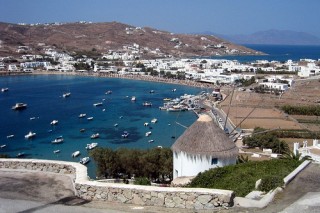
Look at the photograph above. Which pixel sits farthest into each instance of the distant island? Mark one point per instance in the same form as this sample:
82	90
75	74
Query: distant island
274	37
90	38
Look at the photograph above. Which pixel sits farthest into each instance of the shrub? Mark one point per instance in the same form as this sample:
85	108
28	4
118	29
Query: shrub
270	182
142	181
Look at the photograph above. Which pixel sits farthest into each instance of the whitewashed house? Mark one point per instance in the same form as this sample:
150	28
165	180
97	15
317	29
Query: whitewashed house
201	147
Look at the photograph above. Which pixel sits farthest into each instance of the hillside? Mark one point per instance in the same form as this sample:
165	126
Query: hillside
102	37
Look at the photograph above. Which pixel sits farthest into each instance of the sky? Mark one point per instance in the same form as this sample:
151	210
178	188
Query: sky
179	16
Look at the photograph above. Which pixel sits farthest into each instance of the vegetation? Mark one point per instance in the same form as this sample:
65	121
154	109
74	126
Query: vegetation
301	110
154	164
4	156
82	66
296	134
267	140
271	172
260	71
246	83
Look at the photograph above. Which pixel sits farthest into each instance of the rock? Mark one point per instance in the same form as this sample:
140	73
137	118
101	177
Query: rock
204	199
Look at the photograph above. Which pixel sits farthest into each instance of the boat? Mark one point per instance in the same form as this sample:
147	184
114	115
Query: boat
146	124
97	104
150	141
115	125
67	94
32	118
20	154
147	103
4	89
91	146
56	151
58	140
82	130
84	160
173	90
94	136
148	133
75	154
167	99
30	135
54	122
10	136
19	106
151	91
108	92
3	146
82	115
154	120
133	98
90	118
125	134
103	110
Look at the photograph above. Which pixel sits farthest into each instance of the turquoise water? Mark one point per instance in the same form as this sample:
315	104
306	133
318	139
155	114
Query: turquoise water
43	94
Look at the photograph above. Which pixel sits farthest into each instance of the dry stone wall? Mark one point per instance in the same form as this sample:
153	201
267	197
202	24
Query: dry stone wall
190	198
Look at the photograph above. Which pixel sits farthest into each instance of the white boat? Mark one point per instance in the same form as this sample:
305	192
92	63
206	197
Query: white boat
94	136
151	91
148	133
147	103
20	154
90	118
84	160
173	90
115	125
150	141
154	120
91	146
125	134
30	135
56	151
54	122
97	104
4	89
19	106
82	115
3	146
146	124
133	98
75	154
67	94
32	118
108	92
82	130
10	136
58	140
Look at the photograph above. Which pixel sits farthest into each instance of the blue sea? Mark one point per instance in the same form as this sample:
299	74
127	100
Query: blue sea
43	95
278	53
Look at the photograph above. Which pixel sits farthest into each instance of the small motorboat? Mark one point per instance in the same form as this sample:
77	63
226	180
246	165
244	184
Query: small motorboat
75	154
54	122
58	140
147	103
133	98
154	120
84	160
97	104
4	89
90	118
30	135
115	125
108	92
125	134
10	136
151	91
56	151
82	115
19	106
173	90
91	146
94	136
82	130
3	146
146	124
20	154
150	141
67	94
148	133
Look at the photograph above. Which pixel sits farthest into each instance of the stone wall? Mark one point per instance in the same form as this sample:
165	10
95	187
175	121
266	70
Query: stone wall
190	198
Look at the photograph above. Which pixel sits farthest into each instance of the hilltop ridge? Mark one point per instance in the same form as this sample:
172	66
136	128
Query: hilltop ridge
103	37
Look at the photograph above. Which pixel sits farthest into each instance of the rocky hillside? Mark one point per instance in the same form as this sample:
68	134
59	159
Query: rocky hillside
102	37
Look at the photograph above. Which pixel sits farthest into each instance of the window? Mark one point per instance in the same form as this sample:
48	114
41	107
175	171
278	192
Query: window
214	161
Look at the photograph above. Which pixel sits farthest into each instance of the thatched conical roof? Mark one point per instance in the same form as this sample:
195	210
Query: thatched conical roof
204	137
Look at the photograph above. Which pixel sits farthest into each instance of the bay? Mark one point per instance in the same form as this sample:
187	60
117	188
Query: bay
43	94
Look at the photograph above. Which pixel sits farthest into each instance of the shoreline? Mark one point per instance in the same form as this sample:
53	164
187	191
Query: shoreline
120	76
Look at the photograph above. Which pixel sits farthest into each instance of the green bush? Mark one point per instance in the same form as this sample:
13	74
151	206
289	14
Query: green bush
142	181
270	182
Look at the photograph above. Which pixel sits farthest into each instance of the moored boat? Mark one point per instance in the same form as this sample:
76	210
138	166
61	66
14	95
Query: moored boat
82	115
58	140
4	89
150	141
84	160
94	136
56	151
54	122
19	106
30	135
154	120
10	136
148	133
20	154
3	146
67	94
97	104
91	146
147	103
108	92
90	118
133	98
75	154
125	134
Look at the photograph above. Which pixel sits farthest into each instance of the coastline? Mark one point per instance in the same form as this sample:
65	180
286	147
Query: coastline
111	75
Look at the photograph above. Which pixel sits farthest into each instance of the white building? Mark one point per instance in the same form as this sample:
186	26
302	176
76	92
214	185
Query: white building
201	147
